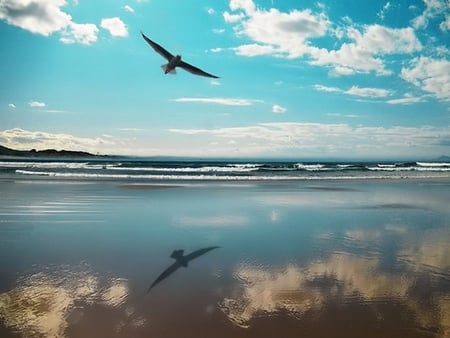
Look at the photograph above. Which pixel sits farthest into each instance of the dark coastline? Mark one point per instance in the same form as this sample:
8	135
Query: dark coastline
47	153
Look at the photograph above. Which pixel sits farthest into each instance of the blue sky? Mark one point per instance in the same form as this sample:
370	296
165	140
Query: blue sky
298	79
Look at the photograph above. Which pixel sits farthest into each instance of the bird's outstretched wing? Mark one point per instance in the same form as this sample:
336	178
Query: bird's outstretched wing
160	50
199	252
194	70
166	273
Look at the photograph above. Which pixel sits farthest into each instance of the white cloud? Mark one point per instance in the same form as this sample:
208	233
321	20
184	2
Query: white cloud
290	34
247	5
314	139
430	75
218	100
216	50
12	105
24	139
40	17
210	11
128	8
255	50
341	71
82	33
355	91
445	25
115	26
433	9
36	104
277	109
282	33
231	18
363	54
327	89
218	30
367	92
382	13
46	18
407	99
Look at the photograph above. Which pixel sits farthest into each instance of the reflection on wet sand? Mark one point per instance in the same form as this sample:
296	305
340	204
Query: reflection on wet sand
431	252
268	292
46	303
343	278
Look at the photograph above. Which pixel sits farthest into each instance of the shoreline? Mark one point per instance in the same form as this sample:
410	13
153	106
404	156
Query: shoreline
127	181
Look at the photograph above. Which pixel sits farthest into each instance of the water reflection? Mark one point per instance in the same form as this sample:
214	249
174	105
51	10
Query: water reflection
265	291
44	304
418	280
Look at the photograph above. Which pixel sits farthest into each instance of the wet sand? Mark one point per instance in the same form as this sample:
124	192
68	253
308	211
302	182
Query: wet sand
335	259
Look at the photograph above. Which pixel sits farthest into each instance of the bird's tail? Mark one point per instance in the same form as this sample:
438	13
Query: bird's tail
164	67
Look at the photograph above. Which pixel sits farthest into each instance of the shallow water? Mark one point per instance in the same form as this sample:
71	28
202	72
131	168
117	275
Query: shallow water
329	258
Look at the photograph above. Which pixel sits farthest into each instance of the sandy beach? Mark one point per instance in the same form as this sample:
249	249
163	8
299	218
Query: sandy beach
319	259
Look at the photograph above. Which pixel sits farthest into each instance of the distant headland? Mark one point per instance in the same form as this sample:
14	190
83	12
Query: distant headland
8	152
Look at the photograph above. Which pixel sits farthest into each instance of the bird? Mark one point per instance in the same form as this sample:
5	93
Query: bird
175	61
181	260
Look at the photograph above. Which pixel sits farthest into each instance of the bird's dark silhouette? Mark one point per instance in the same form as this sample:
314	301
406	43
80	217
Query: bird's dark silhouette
181	260
175	61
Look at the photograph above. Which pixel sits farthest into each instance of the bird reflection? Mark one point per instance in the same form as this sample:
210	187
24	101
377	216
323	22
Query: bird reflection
181	260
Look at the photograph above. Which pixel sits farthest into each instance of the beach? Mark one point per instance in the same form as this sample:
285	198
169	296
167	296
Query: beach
297	257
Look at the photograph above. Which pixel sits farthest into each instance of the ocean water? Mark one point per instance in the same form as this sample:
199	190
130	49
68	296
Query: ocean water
152	170
305	249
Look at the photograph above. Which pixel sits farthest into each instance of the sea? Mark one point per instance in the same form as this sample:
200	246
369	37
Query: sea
134	247
141	169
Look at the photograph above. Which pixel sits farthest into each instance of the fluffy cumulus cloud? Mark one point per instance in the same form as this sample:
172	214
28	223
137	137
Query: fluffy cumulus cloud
79	33
363	53
290	34
434	9
46	18
115	26
431	75
40	17
24	139
275	32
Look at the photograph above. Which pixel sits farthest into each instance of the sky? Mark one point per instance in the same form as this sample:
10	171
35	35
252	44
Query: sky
298	79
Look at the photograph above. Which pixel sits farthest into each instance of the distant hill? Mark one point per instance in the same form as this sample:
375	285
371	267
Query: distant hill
4	151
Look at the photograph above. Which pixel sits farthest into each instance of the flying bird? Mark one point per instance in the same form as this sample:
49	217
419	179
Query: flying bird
175	61
181	260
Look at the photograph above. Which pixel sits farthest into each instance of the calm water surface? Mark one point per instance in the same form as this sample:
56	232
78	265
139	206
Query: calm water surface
311	259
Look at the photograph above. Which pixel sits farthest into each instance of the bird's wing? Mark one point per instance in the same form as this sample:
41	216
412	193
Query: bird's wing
166	273
160	50
194	70
199	252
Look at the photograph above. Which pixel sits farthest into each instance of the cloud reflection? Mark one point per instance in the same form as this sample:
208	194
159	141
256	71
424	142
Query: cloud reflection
342	278
265	291
41	304
212	221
